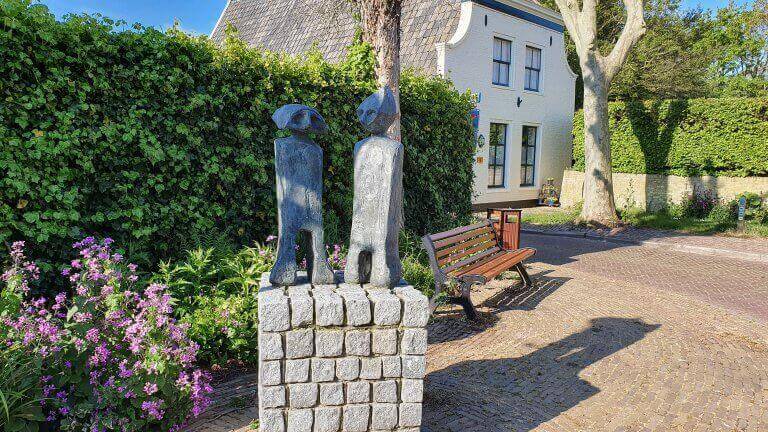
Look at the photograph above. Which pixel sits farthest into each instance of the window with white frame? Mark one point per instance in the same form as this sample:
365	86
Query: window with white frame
532	68
528	156
502	57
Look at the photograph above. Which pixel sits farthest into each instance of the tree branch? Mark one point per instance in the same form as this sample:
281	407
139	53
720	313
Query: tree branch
569	9
633	30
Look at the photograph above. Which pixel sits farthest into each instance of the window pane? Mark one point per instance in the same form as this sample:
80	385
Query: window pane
537	58
528	57
506	52
529	176
531	155
504	74
522	175
495	72
534	80
497	49
499	156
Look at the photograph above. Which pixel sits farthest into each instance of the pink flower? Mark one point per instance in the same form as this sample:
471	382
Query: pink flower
150	388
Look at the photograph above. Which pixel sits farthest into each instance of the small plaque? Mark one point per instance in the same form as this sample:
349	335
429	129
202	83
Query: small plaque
480	159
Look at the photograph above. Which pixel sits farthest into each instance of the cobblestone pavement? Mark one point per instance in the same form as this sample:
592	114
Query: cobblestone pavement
741	286
612	338
755	249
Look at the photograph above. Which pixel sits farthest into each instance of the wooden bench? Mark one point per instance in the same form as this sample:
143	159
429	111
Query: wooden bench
469	255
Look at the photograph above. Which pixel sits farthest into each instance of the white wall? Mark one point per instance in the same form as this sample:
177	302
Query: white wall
467	59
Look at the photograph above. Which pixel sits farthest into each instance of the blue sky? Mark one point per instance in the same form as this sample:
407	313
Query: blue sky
198	16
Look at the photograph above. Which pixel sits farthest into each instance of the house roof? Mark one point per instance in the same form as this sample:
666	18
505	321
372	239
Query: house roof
295	26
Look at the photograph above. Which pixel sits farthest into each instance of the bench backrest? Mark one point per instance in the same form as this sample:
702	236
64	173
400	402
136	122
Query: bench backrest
451	250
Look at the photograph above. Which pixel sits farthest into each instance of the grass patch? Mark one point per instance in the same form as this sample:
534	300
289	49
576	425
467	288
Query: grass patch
561	216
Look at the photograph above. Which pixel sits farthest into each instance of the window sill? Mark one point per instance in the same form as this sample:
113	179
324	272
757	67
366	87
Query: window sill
501	87
531	92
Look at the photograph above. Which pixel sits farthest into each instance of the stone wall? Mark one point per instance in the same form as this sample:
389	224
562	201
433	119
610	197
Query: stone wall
341	357
654	191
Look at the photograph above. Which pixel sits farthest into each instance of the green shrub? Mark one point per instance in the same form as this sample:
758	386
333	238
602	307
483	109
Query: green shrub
756	208
727	137
214	293
162	140
722	214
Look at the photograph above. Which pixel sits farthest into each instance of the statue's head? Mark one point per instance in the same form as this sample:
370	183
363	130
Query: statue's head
299	119
378	111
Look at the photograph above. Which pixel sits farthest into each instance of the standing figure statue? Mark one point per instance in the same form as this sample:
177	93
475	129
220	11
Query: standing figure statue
378	202
299	173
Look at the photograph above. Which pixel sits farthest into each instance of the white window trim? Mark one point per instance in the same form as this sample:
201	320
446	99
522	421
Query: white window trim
542	72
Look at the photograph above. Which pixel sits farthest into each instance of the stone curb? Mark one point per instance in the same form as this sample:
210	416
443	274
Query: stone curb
699	250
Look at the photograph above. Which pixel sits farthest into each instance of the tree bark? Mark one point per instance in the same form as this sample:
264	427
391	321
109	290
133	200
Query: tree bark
598	71
599	204
381	29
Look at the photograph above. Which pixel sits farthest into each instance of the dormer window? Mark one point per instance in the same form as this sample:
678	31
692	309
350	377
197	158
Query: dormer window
502	57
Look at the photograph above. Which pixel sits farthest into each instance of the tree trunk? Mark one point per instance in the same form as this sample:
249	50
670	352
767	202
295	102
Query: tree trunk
599	206
381	29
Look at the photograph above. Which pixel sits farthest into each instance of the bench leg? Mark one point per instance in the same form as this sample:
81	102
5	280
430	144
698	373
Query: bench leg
466	303
524	275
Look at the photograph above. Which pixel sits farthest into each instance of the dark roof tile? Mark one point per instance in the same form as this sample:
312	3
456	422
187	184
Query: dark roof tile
295	26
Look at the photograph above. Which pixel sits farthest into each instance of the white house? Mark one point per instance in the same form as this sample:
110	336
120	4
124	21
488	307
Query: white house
510	53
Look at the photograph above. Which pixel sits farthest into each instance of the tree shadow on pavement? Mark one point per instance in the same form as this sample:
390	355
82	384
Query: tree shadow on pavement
519	394
560	250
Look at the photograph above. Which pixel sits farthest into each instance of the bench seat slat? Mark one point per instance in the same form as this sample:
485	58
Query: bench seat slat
472	265
508	264
471	260
499	260
456	231
458	247
461	237
488	244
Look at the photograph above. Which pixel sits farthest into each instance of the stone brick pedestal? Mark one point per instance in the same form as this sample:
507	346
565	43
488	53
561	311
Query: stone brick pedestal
341	358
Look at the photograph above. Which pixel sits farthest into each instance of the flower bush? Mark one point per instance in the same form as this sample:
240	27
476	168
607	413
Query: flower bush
112	357
697	205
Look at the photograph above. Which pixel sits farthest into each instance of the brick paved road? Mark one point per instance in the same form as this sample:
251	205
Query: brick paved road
738	285
613	338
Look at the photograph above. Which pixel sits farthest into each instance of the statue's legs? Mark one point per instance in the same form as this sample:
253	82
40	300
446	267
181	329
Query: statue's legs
284	271
352	269
385	272
358	269
321	273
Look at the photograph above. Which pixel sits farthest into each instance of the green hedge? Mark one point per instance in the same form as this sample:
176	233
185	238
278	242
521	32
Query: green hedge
727	137
163	141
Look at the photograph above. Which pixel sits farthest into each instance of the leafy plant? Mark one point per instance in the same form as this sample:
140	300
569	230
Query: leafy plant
160	139
215	295
20	391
